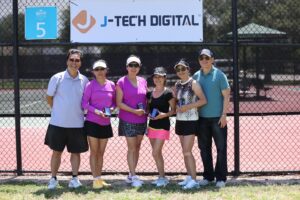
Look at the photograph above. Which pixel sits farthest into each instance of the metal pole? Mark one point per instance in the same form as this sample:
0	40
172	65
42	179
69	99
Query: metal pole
236	89
257	72
17	88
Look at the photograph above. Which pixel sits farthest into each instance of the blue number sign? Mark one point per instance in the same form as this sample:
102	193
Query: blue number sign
40	23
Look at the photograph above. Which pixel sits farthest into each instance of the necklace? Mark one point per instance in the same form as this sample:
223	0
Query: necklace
160	89
158	93
182	83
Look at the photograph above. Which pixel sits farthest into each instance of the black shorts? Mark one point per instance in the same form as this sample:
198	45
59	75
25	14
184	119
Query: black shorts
186	127
97	131
74	138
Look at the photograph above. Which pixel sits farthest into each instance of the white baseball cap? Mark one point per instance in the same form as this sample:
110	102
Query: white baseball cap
133	59
99	63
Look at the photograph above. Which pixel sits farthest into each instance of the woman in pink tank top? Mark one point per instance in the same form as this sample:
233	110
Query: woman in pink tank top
131	100
98	99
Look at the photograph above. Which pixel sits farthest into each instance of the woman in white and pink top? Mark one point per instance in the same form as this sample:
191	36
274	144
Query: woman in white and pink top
131	99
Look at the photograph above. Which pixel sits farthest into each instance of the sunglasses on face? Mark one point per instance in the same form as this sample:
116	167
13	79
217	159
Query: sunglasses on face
204	58
74	60
135	65
158	76
99	69
180	69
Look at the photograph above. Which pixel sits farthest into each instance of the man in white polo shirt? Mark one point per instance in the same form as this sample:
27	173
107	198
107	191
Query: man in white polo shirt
64	94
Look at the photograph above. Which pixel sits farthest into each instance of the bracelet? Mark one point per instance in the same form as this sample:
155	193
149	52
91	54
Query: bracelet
97	111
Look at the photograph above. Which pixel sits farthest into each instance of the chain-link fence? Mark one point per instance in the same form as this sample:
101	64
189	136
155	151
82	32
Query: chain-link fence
263	134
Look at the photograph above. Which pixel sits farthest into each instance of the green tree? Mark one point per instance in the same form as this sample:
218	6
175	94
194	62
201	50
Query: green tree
6	27
276	14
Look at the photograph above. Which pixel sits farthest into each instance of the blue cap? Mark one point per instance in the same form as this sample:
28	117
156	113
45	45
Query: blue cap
206	52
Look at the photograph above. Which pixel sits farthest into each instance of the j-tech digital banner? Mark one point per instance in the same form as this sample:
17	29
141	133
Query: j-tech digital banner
121	21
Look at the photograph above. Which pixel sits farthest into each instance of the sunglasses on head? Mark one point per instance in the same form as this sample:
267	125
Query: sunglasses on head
74	60
180	69
71	51
99	69
134	65
74	51
204	58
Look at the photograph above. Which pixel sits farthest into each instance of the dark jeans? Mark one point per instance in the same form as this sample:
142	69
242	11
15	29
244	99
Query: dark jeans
210	129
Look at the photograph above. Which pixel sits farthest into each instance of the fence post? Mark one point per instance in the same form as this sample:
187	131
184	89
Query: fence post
17	87
236	89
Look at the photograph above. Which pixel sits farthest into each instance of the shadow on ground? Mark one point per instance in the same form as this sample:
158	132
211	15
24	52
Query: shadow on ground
119	185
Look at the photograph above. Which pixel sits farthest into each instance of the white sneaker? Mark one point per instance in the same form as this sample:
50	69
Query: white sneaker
155	181
220	184
162	182
74	183
136	182
186	180
52	184
128	179
191	185
204	182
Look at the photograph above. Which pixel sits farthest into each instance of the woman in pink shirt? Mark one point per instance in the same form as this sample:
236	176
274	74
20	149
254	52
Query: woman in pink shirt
131	99
98	99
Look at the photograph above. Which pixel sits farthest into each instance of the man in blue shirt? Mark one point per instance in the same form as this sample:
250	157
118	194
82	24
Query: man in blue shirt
212	118
64	94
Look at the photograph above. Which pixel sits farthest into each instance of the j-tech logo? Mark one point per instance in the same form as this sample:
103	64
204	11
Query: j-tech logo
82	22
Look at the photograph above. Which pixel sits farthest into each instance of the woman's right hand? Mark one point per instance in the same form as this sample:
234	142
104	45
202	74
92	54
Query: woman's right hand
100	113
182	109
139	112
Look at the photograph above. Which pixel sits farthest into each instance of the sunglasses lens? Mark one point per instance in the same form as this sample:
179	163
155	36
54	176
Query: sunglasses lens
99	69
134	65
204	58
180	69
74	60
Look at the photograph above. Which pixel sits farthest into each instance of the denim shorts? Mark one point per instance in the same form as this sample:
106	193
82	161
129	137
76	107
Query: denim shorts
131	129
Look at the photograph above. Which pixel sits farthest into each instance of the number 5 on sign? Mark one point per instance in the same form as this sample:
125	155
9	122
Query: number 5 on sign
40	23
42	30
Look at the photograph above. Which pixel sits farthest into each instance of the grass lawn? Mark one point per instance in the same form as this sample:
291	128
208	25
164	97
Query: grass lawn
29	189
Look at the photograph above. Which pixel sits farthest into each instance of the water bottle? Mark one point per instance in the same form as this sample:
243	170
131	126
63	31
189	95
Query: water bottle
107	112
140	106
181	102
154	113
